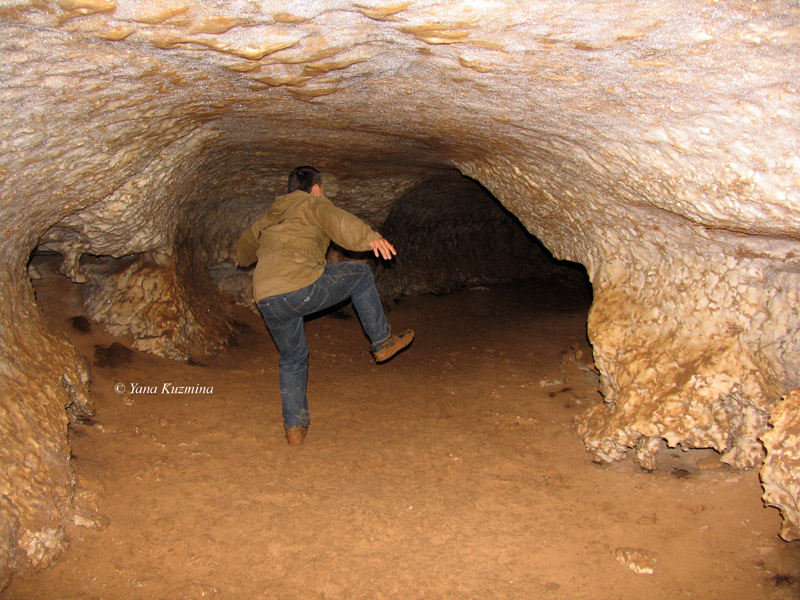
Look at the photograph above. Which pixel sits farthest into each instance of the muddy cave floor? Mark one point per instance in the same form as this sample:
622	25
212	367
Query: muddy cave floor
453	471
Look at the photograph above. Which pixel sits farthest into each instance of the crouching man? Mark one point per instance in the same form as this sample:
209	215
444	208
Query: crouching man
292	280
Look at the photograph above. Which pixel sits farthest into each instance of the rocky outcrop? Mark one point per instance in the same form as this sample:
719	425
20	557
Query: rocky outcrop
45	384
781	472
690	365
167	311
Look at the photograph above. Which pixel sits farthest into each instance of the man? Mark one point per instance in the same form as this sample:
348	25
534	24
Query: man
292	280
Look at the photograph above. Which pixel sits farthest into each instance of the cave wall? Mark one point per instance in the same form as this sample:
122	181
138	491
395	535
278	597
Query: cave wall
656	146
44	383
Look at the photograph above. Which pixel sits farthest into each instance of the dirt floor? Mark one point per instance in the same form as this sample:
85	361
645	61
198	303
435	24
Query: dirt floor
453	471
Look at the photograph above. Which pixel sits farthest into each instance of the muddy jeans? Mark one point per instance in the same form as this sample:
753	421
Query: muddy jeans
284	314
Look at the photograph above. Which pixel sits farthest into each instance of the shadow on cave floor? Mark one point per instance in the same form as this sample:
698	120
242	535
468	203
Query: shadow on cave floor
453	471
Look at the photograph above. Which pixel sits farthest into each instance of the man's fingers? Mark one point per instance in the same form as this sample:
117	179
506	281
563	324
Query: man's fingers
381	247
389	249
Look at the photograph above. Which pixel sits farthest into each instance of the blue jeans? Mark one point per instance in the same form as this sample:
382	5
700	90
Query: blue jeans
284	314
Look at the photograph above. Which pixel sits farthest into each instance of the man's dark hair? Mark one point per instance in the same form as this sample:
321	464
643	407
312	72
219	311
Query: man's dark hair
304	178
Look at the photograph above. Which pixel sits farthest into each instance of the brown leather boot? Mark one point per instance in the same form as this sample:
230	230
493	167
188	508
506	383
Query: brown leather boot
296	435
392	345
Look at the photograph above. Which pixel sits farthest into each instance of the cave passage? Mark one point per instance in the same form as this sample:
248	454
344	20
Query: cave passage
452	470
449	231
440	472
654	150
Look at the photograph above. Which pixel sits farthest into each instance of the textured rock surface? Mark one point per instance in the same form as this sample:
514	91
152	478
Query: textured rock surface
637	560
695	361
781	473
44	384
167	311
656	146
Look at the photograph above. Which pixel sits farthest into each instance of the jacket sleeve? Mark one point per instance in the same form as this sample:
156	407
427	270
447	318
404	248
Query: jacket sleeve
342	227
246	248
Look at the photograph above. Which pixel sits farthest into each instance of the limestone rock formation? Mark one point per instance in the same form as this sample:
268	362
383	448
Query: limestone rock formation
167	311
781	472
655	145
45	384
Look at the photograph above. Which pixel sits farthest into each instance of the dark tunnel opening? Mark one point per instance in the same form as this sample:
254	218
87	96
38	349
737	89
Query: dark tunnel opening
452	233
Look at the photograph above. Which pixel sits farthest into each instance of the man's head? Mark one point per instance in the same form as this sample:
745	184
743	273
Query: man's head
305	178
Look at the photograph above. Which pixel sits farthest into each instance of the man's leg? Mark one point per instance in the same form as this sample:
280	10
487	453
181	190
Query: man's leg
283	315
351	280
290	339
354	280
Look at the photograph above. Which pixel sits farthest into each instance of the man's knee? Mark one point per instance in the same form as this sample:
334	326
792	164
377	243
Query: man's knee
294	357
363	269
350	267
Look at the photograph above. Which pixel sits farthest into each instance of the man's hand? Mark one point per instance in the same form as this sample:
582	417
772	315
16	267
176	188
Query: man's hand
381	247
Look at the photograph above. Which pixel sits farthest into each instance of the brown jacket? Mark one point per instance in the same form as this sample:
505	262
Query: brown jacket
291	240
